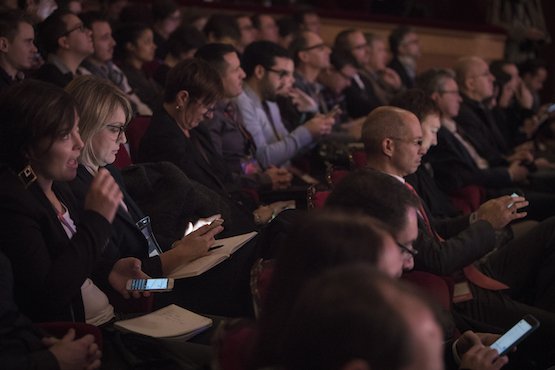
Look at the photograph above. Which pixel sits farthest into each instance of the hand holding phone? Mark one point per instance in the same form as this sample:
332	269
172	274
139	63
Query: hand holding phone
150	285
516	334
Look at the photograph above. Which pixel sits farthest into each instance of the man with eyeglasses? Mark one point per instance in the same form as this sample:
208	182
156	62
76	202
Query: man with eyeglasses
360	96
100	62
494	281
269	72
67	42
405	47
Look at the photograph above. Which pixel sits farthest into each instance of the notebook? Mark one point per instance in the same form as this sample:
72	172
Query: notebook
216	256
171	322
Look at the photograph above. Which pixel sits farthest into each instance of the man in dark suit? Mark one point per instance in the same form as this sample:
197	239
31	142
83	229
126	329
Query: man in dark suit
502	285
405	47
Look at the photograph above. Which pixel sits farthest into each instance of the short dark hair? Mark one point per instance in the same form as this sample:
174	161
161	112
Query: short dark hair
341	43
222	25
9	22
433	80
127	33
375	194
31	111
501	77
262	53
345	314
51	29
198	78
531	66
287	26
184	39
396	38
340	59
214	55
91	17
161	9
299	16
417	102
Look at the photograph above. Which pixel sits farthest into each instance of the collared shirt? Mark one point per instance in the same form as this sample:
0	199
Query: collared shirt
274	144
6	80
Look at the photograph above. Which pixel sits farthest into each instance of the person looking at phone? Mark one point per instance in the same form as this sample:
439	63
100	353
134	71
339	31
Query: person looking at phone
52	246
227	130
269	72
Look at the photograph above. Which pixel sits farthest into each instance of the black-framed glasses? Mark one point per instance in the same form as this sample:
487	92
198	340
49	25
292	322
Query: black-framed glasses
320	46
282	73
117	130
81	27
405	249
417	142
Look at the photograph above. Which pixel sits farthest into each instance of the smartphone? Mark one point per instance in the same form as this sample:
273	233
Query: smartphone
150	285
515	335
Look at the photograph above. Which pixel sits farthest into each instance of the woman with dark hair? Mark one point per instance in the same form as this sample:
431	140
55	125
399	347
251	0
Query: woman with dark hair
323	241
52	246
134	48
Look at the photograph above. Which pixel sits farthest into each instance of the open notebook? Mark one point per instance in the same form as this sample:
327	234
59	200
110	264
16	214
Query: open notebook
171	322
203	264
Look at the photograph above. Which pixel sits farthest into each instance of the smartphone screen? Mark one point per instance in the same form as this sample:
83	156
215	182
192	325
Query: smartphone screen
149	284
513	336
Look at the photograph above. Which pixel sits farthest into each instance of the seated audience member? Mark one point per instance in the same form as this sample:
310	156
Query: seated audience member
174	135
321	242
355	318
266	27
74	6
53	247
392	138
104	115
385	81
360	95
405	48
17	46
223	28
534	73
247	30
308	20
311	56
417	102
231	139
135	47
182	44
269	72
67	42
166	18
100	62
23	347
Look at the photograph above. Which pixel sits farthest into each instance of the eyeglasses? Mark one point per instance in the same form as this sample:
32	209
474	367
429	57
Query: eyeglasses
405	249
417	142
281	73
117	130
320	47
81	27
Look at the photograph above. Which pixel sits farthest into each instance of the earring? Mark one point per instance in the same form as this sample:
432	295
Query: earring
178	107
27	176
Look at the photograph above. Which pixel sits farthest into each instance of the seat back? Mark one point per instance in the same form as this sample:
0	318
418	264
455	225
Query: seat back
59	329
468	198
134	133
316	198
123	159
261	275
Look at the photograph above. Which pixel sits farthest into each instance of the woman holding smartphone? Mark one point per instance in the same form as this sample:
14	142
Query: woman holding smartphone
105	112
52	246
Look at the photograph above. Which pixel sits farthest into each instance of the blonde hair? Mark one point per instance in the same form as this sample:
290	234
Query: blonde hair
96	99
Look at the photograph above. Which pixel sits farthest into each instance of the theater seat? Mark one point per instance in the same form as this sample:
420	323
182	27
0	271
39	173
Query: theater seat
134	133
123	159
59	329
468	199
316	198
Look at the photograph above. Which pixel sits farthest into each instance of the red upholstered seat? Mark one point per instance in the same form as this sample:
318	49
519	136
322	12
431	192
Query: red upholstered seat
134	133
123	159
59	329
468	199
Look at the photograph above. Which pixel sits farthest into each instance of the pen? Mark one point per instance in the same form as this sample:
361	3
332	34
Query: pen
215	247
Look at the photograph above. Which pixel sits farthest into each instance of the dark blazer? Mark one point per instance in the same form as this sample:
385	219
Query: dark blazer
454	168
20	343
398	67
49	268
50	73
126	239
477	125
360	101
